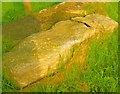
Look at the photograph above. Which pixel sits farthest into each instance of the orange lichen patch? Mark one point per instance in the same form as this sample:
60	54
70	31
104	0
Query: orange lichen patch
76	11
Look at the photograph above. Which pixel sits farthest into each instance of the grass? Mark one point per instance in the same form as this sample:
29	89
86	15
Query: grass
102	63
37	6
112	10
12	11
7	44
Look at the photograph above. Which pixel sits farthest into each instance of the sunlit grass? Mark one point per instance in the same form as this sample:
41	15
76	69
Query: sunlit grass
12	11
37	6
103	62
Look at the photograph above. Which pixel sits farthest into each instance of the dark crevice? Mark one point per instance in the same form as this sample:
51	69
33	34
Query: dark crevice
87	25
83	23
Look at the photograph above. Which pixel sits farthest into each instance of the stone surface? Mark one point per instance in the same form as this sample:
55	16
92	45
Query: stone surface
40	54
63	11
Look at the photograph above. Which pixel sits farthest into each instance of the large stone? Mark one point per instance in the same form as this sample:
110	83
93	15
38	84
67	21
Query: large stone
40	54
45	19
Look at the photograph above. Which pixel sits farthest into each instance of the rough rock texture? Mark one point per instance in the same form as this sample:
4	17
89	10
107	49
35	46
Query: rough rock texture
63	11
40	54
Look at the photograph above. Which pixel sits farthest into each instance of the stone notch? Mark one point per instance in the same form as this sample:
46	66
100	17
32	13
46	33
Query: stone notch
40	54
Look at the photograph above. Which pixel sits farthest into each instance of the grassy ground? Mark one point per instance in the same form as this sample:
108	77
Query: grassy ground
101	72
12	11
103	62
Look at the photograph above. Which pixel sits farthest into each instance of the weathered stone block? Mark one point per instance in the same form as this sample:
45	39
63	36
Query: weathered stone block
40	54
